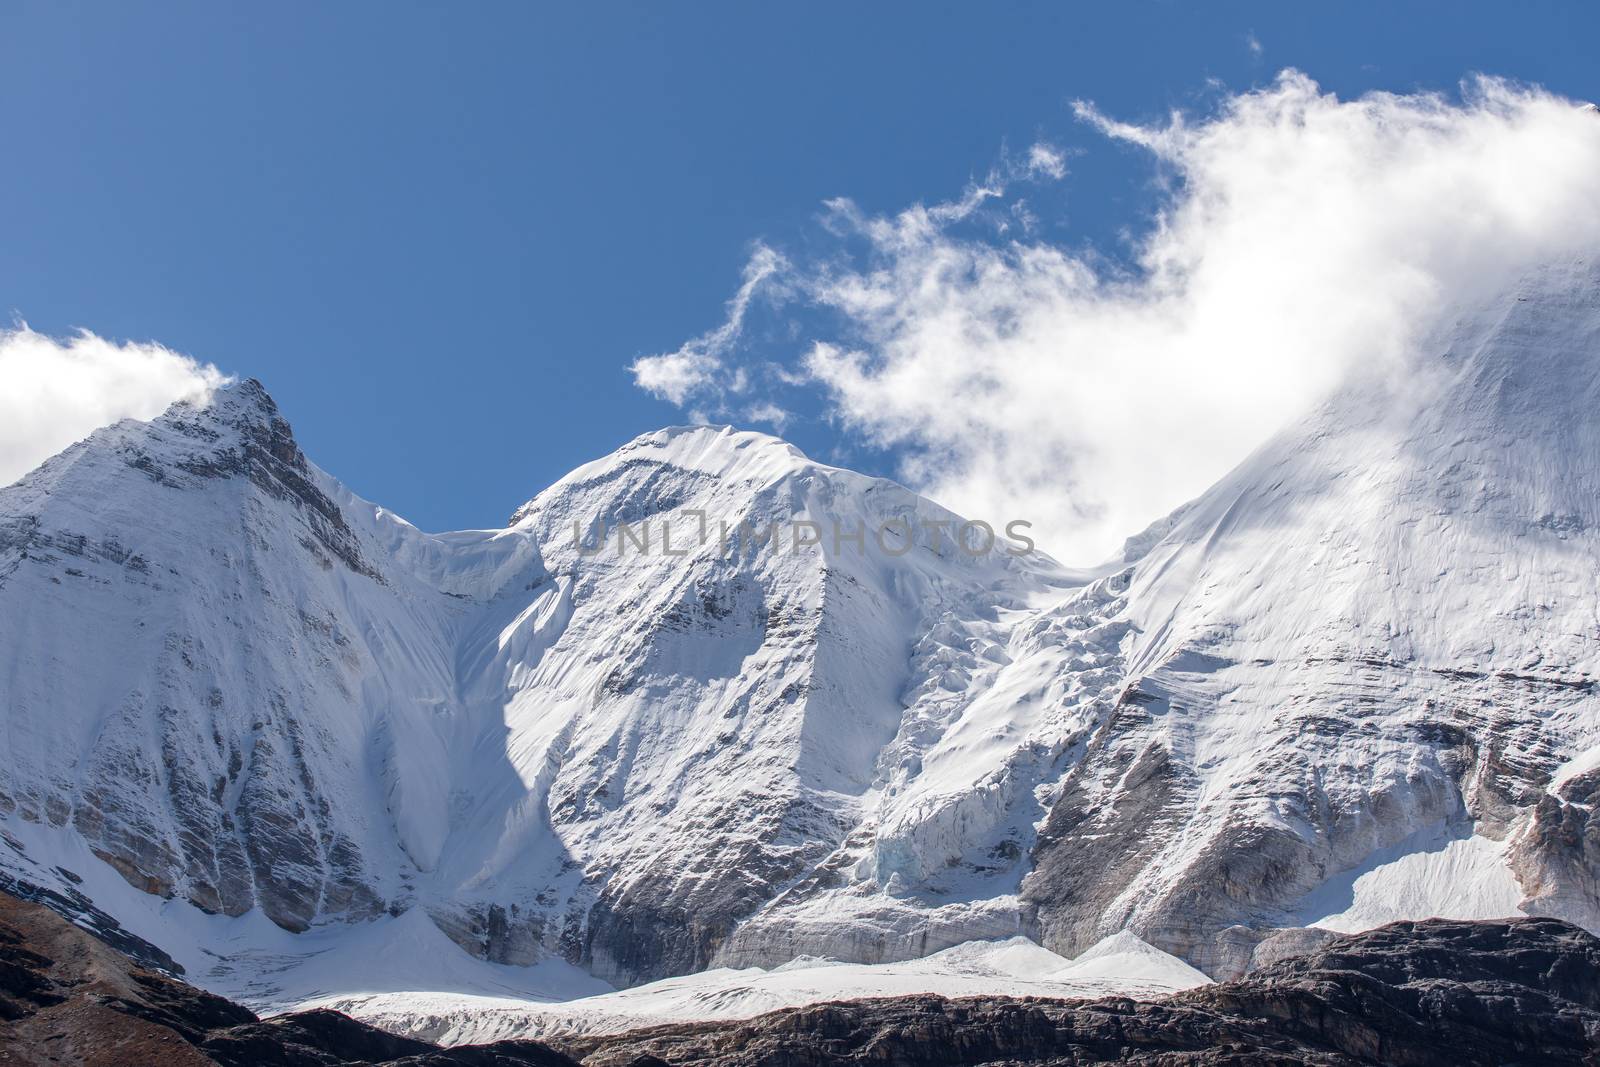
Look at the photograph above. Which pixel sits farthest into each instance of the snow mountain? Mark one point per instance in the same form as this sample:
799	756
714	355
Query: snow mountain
246	688
1353	682
1374	644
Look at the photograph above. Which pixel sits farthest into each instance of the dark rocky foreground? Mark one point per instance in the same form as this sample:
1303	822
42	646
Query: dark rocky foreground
1414	993
68	998
1423	993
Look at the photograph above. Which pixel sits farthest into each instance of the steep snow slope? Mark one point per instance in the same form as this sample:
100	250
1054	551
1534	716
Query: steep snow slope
1383	621
998	708
212	675
692	727
1427	873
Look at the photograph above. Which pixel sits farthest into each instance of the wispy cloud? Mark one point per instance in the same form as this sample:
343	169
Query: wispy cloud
697	367
1297	236
1047	161
769	414
54	392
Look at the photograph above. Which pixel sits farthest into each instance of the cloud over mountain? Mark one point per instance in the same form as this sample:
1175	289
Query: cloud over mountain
1296	236
57	391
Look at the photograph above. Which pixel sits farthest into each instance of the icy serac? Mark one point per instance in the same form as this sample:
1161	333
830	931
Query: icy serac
1354	681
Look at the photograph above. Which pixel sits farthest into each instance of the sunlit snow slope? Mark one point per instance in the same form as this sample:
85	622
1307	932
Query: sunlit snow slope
1384	622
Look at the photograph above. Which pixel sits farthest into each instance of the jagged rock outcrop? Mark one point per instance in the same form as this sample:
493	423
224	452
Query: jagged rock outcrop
1558	856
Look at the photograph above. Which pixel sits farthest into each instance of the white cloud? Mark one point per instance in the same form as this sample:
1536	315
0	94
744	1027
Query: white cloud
769	414
1300	236
697	366
55	392
1253	43
1046	161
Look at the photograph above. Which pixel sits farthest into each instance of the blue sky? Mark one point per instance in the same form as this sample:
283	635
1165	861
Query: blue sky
441	233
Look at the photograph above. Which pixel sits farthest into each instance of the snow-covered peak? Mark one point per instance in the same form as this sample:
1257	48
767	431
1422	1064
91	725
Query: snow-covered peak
1382	621
721	452
1370	523
718	469
236	401
193	441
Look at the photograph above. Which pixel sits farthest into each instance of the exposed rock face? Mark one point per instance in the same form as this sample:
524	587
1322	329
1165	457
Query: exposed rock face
1558	857
67	998
1418	994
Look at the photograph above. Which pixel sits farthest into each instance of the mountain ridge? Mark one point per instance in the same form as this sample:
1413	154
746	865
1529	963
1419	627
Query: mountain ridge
1359	669
342	581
